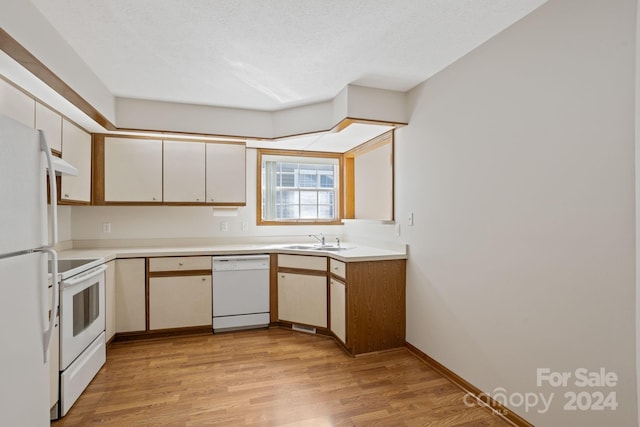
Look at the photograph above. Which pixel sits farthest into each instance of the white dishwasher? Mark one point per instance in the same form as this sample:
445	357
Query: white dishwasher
240	292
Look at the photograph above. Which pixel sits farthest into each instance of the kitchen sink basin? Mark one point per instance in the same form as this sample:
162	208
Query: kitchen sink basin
304	247
330	248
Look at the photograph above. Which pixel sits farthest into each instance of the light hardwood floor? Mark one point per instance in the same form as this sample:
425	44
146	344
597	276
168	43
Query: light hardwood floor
272	377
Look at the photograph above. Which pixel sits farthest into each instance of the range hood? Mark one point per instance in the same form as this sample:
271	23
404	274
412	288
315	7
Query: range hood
62	167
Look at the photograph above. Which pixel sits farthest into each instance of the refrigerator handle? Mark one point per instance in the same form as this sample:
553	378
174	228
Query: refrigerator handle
48	333
53	189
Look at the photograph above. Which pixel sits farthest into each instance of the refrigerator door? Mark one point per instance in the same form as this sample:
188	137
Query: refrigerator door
24	389
23	219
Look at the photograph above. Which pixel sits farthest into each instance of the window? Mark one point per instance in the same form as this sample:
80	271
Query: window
298	188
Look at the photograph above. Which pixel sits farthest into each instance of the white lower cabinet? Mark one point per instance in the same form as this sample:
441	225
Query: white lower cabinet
179	302
338	309
302	299
110	300
130	304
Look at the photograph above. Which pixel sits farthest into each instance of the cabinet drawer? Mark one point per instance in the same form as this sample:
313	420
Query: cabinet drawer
180	263
338	268
304	262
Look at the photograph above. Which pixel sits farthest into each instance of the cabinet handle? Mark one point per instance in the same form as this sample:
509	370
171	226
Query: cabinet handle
180	263
212	199
153	198
204	279
66	195
197	199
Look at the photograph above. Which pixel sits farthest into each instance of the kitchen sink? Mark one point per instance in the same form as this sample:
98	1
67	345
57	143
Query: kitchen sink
304	247
330	248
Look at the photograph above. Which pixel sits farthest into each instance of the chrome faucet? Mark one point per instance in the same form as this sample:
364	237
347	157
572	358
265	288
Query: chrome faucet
319	239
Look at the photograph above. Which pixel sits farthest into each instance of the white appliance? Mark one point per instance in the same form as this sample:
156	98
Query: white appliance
26	319
240	292
82	325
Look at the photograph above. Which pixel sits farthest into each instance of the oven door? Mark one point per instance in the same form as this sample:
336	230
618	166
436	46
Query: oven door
81	313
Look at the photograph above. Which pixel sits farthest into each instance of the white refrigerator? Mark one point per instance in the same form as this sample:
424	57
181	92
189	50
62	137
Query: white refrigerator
26	242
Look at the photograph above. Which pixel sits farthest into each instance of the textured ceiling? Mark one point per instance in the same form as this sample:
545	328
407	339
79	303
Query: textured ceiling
270	55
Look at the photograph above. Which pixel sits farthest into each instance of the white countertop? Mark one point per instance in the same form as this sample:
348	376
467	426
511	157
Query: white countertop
355	253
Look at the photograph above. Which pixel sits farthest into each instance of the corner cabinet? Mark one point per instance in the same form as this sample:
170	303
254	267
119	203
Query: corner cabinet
302	290
132	170
77	150
361	304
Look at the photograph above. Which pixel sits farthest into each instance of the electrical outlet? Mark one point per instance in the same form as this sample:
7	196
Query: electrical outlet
106	227
244	226
397	229
224	226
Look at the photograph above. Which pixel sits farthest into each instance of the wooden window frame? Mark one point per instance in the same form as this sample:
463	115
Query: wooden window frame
297	153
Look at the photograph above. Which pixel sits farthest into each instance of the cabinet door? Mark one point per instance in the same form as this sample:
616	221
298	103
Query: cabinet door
184	171
110	300
226	173
130	295
132	170
338	310
16	104
50	123
302	299
76	149
178	302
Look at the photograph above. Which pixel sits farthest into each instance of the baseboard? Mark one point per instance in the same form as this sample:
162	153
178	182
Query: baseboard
162	333
496	407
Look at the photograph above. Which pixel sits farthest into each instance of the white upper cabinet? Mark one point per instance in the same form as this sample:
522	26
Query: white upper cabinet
16	104
50	123
226	173
76	149
132	170
184	171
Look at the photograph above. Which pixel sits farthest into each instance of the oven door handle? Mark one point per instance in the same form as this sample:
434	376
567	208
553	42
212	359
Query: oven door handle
84	277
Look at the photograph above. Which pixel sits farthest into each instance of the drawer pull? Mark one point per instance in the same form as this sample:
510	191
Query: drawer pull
180	263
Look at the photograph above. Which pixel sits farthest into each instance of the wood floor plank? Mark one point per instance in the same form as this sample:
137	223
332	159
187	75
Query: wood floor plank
269	377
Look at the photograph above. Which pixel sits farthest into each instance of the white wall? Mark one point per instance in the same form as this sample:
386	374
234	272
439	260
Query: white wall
184	222
518	164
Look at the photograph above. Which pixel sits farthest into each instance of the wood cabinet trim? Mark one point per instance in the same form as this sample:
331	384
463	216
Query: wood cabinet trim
302	271
179	273
273	288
